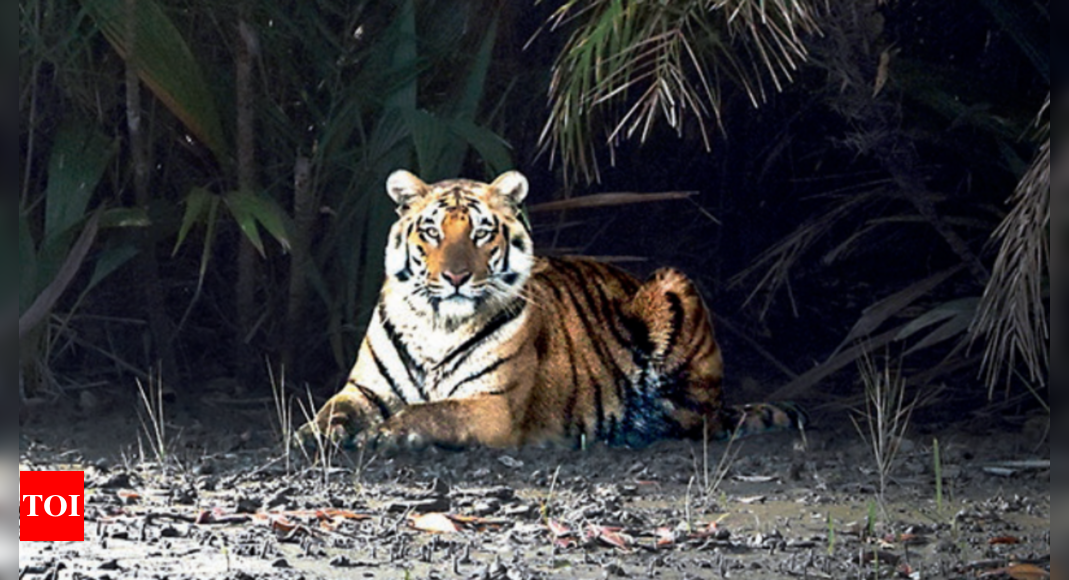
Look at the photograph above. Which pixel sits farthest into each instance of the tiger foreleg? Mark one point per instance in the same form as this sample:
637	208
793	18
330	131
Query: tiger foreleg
452	423
347	414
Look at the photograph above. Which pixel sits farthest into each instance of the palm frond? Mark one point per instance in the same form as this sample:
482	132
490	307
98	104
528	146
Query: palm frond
1013	313
634	64
142	33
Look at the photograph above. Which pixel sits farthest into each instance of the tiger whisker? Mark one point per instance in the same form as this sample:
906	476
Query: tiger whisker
506	292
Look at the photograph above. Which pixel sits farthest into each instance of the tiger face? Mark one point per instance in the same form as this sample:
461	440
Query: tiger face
459	247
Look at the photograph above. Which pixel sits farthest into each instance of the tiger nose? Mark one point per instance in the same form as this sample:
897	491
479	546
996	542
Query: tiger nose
457	279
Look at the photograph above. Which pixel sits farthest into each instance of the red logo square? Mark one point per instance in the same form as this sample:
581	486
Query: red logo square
51	506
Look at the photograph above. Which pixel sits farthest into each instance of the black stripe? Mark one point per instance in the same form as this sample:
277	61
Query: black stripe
406	274
386	374
465	350
415	372
596	303
599	407
636	333
582	309
609	315
675	305
370	395
573	395
408	247
573	399
508	249
482	373
584	304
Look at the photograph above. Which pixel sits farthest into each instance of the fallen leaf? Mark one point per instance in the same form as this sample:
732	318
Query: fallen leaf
477	522
563	536
612	537
912	540
331	514
1026	572
435	523
558	529
331	524
128	497
205	517
665	537
1004	541
754	478
219	517
281	524
566	543
710	531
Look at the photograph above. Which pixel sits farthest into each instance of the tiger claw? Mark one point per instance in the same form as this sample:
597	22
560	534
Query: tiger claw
389	441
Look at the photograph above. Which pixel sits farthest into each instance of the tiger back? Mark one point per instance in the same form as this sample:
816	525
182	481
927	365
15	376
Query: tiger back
476	341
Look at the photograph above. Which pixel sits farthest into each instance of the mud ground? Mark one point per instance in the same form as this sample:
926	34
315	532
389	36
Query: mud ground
226	502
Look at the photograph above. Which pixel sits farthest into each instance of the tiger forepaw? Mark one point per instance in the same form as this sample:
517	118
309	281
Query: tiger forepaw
316	435
392	439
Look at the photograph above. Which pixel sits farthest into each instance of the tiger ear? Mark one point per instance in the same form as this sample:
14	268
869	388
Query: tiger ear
511	185
403	188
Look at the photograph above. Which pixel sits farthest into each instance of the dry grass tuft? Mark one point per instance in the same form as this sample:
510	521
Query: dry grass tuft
884	419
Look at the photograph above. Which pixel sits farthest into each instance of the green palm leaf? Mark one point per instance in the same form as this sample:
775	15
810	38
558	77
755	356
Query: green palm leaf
144	36
634	64
253	211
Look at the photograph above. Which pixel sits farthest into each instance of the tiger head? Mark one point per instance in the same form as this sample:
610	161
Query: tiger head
460	247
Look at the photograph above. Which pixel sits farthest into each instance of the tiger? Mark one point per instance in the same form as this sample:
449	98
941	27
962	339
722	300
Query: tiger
476	341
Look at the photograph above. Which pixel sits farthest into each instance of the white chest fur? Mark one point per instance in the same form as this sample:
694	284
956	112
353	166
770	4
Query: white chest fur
413	359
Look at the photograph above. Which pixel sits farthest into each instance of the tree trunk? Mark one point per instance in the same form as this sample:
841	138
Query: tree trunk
304	215
247	260
146	265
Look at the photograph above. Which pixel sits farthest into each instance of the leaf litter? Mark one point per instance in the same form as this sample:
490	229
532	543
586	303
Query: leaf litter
532	514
